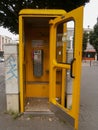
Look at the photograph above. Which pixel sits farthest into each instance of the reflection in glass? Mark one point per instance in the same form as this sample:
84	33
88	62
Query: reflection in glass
64	55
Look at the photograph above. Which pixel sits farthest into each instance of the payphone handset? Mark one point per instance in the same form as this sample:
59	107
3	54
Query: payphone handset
38	63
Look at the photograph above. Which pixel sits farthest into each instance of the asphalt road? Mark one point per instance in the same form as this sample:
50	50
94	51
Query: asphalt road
88	107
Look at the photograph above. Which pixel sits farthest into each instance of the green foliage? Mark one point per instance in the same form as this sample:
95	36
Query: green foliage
85	39
9	9
94	37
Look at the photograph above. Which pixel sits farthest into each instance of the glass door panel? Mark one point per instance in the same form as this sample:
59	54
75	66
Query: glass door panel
64	55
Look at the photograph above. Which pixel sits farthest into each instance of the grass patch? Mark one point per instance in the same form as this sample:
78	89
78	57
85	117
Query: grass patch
14	114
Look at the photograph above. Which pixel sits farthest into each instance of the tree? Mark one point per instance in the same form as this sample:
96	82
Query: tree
85	39
9	9
94	37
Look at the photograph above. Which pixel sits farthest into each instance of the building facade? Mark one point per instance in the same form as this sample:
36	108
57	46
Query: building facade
4	40
89	53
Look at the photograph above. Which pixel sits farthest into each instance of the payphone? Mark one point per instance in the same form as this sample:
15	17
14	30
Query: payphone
37	63
47	75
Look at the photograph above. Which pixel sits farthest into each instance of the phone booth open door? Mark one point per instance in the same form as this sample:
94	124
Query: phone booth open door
50	61
65	63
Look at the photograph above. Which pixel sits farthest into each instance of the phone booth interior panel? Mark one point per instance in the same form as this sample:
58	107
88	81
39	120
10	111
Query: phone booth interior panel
37	61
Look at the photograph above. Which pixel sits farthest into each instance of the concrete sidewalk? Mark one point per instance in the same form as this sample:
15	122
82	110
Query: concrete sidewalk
89	98
9	121
89	63
88	108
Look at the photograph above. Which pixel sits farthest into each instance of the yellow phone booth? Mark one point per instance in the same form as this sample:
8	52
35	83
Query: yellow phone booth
50	61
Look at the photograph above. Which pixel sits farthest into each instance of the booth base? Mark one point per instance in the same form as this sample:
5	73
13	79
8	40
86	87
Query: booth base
37	104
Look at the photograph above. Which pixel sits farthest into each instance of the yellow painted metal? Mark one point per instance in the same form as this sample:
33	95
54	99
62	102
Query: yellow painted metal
27	89
44	12
77	16
60	65
52	76
78	54
31	80
21	60
64	71
38	90
27	33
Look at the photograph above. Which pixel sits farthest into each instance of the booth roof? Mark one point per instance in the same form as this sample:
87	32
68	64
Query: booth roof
69	5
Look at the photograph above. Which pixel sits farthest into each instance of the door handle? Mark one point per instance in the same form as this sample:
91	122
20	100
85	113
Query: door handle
71	69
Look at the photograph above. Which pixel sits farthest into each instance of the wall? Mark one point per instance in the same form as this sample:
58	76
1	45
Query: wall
11	76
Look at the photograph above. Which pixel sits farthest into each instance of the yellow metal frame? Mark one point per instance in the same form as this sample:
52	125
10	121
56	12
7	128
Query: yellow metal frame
62	16
21	60
23	14
77	16
42	12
